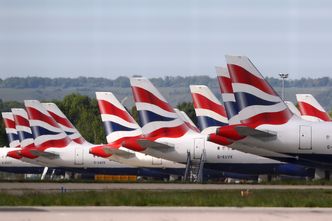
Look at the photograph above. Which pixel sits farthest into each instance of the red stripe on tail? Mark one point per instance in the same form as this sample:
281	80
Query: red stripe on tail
60	120
309	110
241	75
274	118
37	115
9	123
21	121
225	84
205	103
106	107
142	95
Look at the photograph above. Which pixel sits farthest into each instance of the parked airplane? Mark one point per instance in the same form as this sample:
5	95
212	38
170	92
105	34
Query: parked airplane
118	122
52	146
310	109
212	116
8	164
167	136
266	123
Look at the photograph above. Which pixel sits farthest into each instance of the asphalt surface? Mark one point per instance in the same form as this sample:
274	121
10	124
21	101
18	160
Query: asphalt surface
162	213
65	187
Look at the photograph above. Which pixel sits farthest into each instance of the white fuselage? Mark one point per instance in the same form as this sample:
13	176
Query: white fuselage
196	144
144	160
6	161
301	139
75	156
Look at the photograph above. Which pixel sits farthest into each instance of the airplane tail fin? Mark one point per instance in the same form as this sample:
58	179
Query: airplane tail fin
209	111
23	127
157	117
118	123
10	128
258	103
227	95
24	133
46	132
64	123
310	108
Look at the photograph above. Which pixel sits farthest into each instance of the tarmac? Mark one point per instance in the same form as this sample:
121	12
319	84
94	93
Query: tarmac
18	187
162	213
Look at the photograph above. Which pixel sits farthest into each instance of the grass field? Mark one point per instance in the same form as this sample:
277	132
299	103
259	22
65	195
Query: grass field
233	198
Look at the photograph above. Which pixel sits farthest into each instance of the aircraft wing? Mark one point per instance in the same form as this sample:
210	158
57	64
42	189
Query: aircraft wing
119	153
47	155
248	131
161	147
260	151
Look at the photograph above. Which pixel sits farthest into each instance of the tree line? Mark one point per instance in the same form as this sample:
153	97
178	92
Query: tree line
123	82
83	112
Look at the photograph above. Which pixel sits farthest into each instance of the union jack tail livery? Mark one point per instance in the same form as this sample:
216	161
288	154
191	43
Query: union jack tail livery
157	117
258	103
11	131
227	95
46	132
64	123
119	124
24	134
209	111
310	109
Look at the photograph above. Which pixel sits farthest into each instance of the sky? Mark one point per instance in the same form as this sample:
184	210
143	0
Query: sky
111	38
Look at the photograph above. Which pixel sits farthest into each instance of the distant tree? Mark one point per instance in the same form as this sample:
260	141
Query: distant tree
134	113
83	112
188	108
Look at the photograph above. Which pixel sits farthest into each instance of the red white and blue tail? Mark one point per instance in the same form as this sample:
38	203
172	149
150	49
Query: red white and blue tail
119	124
157	117
64	123
46	132
25	134
258	103
10	128
23	127
227	95
209	111
310	109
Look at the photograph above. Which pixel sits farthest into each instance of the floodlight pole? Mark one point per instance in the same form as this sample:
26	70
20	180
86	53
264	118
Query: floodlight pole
283	77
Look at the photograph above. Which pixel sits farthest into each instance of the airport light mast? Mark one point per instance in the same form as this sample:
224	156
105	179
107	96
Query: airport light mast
283	77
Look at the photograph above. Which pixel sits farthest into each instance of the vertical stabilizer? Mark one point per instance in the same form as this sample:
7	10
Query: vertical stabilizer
210	112
10	128
258	103
310	109
46	132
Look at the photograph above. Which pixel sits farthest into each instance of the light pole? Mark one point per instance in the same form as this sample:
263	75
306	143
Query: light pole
283	77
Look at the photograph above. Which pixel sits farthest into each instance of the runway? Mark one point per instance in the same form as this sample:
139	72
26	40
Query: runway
163	213
17	188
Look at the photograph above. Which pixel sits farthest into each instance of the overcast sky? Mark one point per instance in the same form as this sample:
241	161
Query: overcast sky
108	38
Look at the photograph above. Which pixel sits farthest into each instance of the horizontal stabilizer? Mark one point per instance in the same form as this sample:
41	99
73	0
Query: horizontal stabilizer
164	148
47	155
119	153
248	131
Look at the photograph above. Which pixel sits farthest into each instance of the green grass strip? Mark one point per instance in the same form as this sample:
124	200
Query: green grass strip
214	198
